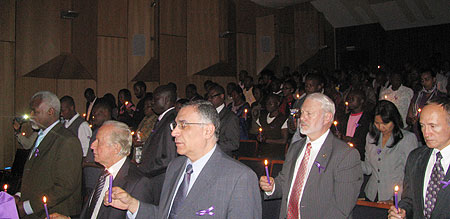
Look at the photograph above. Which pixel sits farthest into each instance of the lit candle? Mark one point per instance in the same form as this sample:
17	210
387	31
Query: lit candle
126	103
396	196
23	133
132	133
5	188
267	170
350	144
298	96
245	113
90	126
385	97
44	199
378	66
418	112
26	116
260	134
335	123
110	188
84	115
346	103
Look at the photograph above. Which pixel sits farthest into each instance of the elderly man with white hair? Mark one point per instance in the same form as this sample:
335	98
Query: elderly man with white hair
321	176
53	167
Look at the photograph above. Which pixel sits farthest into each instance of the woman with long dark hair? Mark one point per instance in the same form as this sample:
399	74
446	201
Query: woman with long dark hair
387	148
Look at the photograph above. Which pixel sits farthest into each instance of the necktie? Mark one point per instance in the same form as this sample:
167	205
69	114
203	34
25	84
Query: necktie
437	174
97	192
36	144
293	208
181	193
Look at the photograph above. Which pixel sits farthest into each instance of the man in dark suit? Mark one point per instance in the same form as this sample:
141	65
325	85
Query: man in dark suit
204	181
111	148
140	90
321	175
426	189
53	167
160	149
229	122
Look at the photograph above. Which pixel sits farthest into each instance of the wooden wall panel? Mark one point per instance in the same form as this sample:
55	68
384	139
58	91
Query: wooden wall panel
7	20
306	30
246	53
202	34
141	23
38	33
286	51
75	89
173	17
173	61
112	18
26	87
112	65
7	149
265	34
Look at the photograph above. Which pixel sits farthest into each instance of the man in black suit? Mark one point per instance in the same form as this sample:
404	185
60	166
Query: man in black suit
229	122
160	149
426	190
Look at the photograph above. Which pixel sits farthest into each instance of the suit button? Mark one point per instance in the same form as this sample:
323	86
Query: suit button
378	170
378	181
379	159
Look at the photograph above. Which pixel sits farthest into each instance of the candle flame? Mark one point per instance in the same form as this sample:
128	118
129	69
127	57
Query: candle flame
126	102
260	129
5	187
378	66
385	96
44	199
266	162
132	133
245	110
298	96
23	133
26	116
396	188
335	123
346	103
84	114
90	126
419	110
350	144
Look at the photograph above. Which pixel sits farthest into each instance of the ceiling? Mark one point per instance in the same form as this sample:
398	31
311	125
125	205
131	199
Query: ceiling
391	14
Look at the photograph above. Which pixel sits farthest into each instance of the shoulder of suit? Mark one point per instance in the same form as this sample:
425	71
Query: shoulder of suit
420	151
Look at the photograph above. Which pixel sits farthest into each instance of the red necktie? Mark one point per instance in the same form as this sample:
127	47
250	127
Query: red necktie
293	209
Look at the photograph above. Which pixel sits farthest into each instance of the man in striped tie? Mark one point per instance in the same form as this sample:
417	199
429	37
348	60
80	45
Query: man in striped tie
321	176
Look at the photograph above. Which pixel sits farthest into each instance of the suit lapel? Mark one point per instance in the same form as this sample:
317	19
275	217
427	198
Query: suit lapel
422	167
172	184
45	145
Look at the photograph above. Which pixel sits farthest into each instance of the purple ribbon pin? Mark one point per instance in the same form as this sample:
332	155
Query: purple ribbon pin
357	125
445	183
36	153
379	151
208	211
319	166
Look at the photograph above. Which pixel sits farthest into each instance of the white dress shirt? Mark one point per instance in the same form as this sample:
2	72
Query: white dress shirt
164	113
445	161
84	133
113	170
220	108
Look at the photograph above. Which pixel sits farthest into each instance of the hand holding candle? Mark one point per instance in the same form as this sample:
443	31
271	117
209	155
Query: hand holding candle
396	196
266	163
44	199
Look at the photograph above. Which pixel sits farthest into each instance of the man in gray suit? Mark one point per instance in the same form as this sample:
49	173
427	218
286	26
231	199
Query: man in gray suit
205	181
321	176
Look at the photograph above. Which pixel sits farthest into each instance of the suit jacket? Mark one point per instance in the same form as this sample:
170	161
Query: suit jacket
359	138
159	149
224	183
54	171
333	192
412	197
131	180
229	131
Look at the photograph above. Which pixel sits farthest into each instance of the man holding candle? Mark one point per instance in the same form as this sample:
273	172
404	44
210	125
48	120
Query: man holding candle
54	165
111	148
321	176
203	182
426	193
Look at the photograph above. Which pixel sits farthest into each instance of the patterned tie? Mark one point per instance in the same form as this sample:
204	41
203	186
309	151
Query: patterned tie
437	174
181	193
97	192
293	208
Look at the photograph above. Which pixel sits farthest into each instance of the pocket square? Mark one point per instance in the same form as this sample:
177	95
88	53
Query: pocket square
208	211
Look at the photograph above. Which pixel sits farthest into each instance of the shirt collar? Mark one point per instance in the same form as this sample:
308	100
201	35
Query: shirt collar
198	165
164	113
47	130
114	169
220	108
70	121
318	142
444	152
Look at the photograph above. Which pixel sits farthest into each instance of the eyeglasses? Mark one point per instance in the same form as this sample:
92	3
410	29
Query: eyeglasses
215	95
182	125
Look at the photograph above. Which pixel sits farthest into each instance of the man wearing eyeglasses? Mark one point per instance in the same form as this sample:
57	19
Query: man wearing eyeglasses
203	182
160	149
229	122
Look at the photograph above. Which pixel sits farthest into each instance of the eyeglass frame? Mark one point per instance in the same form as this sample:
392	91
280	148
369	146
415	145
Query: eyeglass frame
183	124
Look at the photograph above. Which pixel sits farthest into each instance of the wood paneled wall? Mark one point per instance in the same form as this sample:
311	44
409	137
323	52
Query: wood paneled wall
265	41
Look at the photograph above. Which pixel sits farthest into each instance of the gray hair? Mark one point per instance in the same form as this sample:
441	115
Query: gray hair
49	99
207	113
120	135
326	103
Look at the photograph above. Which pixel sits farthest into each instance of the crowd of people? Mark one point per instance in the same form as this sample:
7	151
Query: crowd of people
342	135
